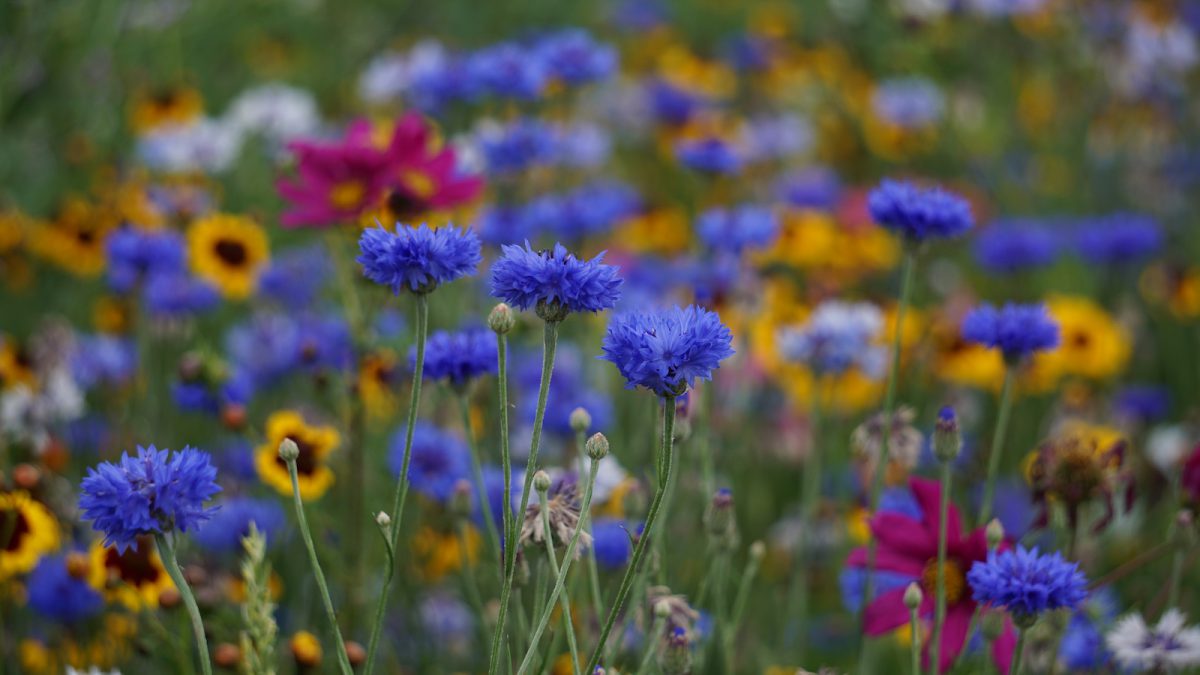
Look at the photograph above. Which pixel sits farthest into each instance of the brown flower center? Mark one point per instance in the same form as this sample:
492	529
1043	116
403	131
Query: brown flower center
956	580
13	528
231	252
134	566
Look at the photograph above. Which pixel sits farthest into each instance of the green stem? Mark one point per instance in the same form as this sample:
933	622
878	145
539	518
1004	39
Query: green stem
1176	578
810	491
470	586
166	551
889	405
477	468
343	660
652	641
549	344
914	625
667	450
593	568
743	594
940	599
398	499
997	449
1015	668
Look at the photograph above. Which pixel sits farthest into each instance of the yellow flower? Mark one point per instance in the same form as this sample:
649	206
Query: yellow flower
685	70
306	649
1177	287
27	532
135	578
376	383
814	241
967	364
662	231
440	553
16	364
315	442
1091	342
74	240
894	142
164	107
229	252
614	506
12	230
112	314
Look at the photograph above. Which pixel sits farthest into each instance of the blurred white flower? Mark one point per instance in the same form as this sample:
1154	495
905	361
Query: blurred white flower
390	76
277	111
1169	646
1167	446
207	146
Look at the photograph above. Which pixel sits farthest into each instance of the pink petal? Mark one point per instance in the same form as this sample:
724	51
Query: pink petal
886	613
904	535
887	560
929	495
1003	647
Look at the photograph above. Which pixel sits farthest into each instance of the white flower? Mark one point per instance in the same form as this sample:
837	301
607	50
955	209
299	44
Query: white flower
836	337
1166	447
207	145
1169	646
277	111
91	671
390	76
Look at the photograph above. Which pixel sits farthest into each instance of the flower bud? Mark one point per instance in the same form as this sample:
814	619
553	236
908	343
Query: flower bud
541	482
994	533
719	519
288	450
501	319
676	656
580	420
596	447
662	609
1185	532
460	498
382	519
355	654
947	439
913	596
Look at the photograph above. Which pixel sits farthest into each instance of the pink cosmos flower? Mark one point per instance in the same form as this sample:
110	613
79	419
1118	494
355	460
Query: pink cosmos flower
909	547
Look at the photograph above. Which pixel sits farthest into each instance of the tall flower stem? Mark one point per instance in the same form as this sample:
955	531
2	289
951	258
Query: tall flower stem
889	406
653	639
914	642
940	598
549	344
666	454
302	521
398	499
1015	668
1176	581
593	568
810	492
997	449
560	576
484	503
166	551
470	585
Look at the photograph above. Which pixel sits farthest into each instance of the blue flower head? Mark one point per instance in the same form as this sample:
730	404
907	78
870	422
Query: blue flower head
157	491
667	351
508	70
1026	582
523	144
918	213
1016	330
709	155
671	105
294	279
178	296
103	359
439	460
417	258
135	256
554	281
816	187
1014	246
574	57
1144	403
231	523
739	228
612	540
56	593
1119	238
458	357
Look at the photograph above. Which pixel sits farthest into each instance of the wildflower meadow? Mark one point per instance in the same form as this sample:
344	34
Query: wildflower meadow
599	337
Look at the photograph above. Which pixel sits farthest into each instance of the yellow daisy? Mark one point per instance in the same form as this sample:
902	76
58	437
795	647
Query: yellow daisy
229	252
166	106
74	240
27	532
1091	342
660	231
16	364
315	442
135	578
440	553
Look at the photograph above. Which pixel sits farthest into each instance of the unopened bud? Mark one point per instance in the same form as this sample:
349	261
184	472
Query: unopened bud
992	625
501	319
720	517
676	657
947	439
227	655
382	519
913	596
580	420
662	609
541	482
1185	532
596	447
995	533
288	450
355	653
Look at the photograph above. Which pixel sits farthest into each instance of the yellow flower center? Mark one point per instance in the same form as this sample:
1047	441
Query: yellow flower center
956	581
347	195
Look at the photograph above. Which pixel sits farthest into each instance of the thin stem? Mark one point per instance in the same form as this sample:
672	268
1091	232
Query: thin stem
940	599
743	594
653	639
477	468
166	551
398	499
343	660
810	491
889	405
1015	668
468	577
592	568
914	625
639	552
549	344
989	487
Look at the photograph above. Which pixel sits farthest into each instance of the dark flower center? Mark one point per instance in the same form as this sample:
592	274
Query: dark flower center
231	252
1081	340
134	566
13	528
404	204
86	237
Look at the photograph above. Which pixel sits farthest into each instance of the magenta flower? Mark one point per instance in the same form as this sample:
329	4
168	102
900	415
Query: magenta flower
908	547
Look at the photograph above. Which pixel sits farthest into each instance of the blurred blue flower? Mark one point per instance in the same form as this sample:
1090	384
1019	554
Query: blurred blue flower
323	343
439	460
574	57
265	347
231	522
507	70
294	278
1143	403
56	594
908	102
918	213
458	357
836	337
178	296
103	359
816	187
1012	246
738	228
504	224
417	259
136	255
612	542
709	155
667	351
569	389
671	105
1119	238
1016	330
519	146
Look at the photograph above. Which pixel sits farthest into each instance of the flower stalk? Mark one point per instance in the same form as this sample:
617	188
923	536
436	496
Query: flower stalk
166	551
989	487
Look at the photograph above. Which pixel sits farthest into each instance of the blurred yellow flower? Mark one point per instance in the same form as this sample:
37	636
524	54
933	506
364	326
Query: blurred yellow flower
1092	343
108	649
166	106
228	251
313	475
135	579
306	649
74	240
440	553
814	241
28	530
683	69
16	364
376	383
1175	286
663	231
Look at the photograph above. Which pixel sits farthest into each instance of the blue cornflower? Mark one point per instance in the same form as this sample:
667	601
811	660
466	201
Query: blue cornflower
417	258
157	491
667	351
439	460
816	187
738	228
709	155
294	279
1016	330
501	224
103	359
324	343
224	532
837	337
919	213
56	593
135	255
1027	583
510	71
1012	246
574	57
593	209
178	296
612	541
1144	403
671	105
1119	238
265	347
519	146
458	357
554	281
